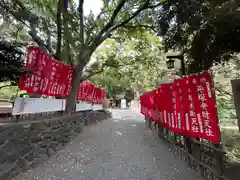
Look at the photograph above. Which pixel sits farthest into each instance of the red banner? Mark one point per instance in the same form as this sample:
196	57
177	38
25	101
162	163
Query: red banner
99	95
150	105
83	90
160	104
89	92
155	115
178	107
160	101
143	102
47	76
167	104
187	107
206	111
147	105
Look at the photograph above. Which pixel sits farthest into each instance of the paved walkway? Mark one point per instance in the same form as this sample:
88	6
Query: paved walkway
115	149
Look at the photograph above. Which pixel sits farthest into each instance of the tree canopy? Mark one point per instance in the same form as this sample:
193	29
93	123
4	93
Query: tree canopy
11	61
206	30
139	63
60	28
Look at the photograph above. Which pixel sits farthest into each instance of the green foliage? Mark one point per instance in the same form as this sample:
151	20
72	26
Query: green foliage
223	73
137	62
11	62
206	30
38	20
8	92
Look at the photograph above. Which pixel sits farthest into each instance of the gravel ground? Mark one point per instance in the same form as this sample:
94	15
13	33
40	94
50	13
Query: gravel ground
120	148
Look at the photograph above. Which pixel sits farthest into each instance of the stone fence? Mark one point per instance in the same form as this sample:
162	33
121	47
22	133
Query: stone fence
24	145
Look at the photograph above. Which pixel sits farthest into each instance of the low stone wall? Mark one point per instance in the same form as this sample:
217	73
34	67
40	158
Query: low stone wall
27	144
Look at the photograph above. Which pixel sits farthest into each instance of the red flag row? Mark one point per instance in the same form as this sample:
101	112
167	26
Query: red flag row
46	76
186	106
89	92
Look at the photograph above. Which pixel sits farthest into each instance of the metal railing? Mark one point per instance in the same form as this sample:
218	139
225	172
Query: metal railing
201	155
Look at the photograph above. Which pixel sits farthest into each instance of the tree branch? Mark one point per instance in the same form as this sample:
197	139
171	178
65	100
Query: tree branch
59	30
136	13
96	72
109	27
49	38
38	40
25	15
141	8
111	21
113	17
80	11
90	29
67	35
116	66
98	41
130	27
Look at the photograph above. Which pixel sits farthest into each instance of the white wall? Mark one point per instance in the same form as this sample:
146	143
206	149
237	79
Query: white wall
83	106
38	105
97	107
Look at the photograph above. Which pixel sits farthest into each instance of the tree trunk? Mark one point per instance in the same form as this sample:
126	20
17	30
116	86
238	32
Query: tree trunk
59	30
84	58
71	99
67	50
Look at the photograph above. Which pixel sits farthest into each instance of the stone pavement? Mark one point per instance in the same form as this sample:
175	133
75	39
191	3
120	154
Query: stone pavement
115	149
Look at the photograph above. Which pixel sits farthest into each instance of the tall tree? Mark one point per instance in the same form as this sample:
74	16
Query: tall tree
207	30
141	62
81	34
